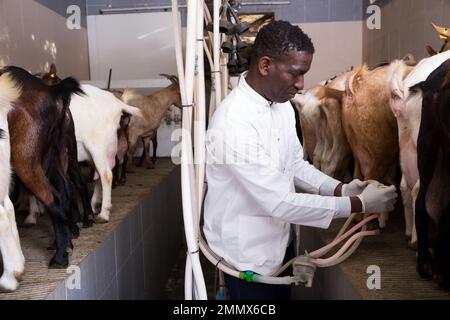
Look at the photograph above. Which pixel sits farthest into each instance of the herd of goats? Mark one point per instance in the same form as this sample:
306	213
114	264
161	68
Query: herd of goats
48	127
377	123
365	123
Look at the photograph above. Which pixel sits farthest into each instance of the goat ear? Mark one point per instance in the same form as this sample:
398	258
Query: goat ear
353	81
431	51
409	60
53	69
172	78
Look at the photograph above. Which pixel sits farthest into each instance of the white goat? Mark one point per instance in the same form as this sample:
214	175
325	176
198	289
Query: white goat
96	116
406	106
12	256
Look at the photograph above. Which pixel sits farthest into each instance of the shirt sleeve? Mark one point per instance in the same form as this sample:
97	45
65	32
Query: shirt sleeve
240	150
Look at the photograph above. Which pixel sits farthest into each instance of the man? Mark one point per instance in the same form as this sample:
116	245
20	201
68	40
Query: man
255	160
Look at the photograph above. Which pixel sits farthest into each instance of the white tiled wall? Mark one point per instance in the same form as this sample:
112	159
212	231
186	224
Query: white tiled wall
134	262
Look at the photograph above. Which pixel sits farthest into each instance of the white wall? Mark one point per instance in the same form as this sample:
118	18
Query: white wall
138	47
135	46
33	36
338	47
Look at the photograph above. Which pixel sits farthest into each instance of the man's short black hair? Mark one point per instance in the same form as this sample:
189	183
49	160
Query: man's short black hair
277	38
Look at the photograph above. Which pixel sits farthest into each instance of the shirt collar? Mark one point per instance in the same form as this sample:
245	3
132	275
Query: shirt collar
262	103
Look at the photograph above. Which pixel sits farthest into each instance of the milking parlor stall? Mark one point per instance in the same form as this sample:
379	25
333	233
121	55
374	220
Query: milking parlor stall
104	164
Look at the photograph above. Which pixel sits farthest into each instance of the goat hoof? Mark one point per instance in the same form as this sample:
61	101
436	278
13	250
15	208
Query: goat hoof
8	284
425	271
96	207
28	225
100	220
149	166
412	245
59	263
19	275
75	232
88	224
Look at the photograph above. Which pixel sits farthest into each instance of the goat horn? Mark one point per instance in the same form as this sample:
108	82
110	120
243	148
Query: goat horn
172	78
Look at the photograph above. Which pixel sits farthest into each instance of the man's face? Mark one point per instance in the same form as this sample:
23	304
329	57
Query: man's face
285	76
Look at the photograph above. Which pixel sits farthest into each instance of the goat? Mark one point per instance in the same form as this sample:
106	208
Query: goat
370	126
154	108
96	118
74	171
433	154
406	106
10	249
38	127
444	34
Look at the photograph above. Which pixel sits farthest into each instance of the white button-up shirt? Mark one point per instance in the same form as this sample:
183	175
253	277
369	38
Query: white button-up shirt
254	162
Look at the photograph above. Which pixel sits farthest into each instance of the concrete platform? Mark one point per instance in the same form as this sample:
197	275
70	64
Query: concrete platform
128	258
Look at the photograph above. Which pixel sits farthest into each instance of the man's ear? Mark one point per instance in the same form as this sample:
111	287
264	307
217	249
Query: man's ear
263	65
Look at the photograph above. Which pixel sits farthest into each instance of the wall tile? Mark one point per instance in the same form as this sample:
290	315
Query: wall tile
105	264
317	10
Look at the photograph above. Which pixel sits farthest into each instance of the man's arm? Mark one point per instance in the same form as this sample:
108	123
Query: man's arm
269	189
310	178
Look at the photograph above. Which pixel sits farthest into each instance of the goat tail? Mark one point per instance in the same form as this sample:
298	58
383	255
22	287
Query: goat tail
396	73
136	112
65	89
10	91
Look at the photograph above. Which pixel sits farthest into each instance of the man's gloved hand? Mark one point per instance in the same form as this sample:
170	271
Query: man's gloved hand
353	188
378	198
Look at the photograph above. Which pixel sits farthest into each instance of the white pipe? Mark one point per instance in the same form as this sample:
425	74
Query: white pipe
216	47
212	96
188	278
193	7
187	177
200	125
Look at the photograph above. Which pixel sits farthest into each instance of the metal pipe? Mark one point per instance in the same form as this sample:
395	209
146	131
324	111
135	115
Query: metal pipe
113	10
265	3
168	7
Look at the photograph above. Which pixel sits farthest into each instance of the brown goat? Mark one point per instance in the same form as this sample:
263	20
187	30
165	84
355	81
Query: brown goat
38	128
370	126
154	107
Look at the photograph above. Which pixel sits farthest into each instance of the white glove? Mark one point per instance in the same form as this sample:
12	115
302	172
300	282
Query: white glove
353	188
378	198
